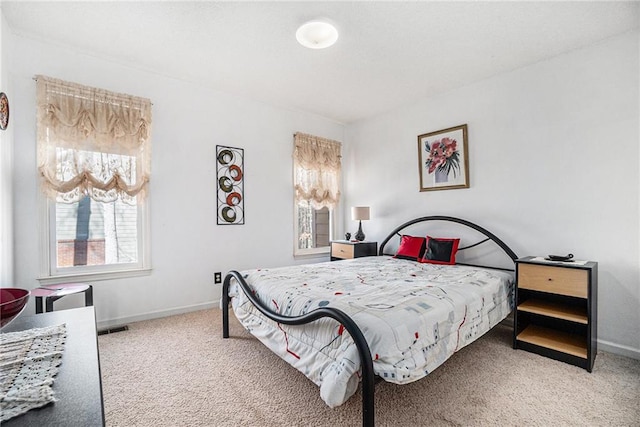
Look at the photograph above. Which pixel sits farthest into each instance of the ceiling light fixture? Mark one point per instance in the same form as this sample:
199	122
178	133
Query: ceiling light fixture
317	34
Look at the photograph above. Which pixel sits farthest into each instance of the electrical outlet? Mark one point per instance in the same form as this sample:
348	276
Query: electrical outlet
217	277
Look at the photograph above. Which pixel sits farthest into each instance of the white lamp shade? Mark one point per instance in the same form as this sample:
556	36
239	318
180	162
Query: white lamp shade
317	34
360	213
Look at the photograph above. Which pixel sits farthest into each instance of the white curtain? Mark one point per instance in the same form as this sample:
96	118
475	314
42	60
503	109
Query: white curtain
92	142
317	163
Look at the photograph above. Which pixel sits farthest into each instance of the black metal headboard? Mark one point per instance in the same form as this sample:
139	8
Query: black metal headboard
490	236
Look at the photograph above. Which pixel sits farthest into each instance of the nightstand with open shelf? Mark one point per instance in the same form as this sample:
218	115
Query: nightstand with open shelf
556	310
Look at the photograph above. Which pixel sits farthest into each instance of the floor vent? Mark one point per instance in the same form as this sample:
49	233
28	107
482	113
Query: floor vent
113	330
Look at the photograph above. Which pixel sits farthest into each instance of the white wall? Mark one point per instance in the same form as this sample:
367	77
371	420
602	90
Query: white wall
554	164
6	164
188	122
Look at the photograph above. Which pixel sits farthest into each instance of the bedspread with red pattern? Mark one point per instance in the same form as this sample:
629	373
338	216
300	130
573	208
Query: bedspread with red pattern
414	316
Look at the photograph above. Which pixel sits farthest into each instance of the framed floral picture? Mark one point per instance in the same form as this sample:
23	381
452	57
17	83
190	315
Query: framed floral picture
443	159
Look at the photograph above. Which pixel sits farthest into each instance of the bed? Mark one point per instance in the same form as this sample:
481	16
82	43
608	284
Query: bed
390	317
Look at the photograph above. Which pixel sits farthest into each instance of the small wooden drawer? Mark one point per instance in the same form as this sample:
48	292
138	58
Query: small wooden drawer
342	250
562	281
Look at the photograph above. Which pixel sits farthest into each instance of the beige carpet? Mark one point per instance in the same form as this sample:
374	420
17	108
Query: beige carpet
178	371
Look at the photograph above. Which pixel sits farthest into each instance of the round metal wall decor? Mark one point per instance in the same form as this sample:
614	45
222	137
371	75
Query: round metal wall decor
4	111
230	176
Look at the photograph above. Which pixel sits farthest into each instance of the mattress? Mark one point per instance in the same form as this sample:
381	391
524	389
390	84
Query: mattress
414	316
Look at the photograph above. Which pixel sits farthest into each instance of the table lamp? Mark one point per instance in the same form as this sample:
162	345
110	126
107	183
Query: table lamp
360	213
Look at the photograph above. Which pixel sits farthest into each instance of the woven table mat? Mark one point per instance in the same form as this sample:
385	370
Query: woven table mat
29	361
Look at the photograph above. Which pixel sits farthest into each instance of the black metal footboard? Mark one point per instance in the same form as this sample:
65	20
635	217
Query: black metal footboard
366	363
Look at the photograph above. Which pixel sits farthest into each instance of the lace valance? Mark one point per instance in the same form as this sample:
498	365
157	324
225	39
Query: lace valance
92	142
317	163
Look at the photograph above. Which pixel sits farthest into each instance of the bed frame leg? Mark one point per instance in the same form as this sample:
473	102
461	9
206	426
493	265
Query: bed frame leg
368	382
225	306
367	409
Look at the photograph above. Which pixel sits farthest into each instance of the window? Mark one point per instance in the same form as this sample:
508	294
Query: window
96	233
314	226
317	165
94	164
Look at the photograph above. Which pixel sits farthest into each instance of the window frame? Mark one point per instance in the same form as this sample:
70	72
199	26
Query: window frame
51	274
329	147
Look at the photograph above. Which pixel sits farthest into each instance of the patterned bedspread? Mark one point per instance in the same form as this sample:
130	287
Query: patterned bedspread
414	316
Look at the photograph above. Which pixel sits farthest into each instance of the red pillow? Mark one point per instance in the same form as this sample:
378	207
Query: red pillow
411	247
440	251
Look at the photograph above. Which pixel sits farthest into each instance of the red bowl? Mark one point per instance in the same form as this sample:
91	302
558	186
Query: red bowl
12	302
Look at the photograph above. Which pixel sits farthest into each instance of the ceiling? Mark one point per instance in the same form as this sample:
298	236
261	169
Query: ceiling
388	53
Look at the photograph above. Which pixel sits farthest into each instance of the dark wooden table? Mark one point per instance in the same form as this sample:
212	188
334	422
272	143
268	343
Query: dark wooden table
78	385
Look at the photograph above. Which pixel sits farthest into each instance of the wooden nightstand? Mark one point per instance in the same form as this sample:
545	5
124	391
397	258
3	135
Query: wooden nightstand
343	249
556	310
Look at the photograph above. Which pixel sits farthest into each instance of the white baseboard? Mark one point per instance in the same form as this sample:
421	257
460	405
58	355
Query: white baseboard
619	349
106	324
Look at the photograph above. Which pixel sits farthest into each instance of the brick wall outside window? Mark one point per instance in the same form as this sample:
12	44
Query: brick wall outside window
95	252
